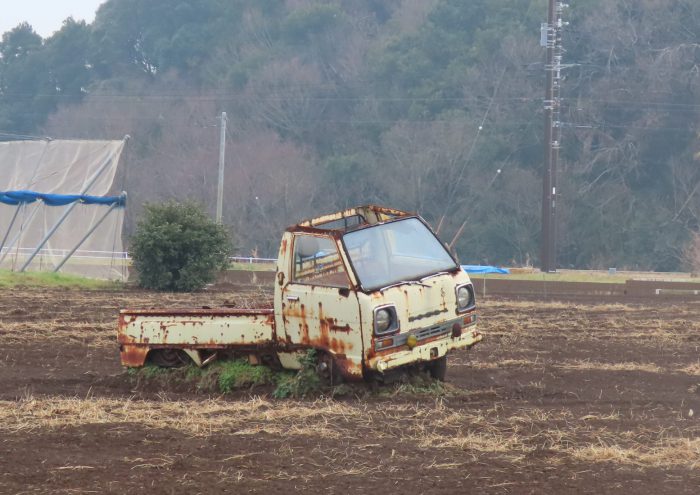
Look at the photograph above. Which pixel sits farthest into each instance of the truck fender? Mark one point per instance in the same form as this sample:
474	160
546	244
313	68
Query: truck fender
133	356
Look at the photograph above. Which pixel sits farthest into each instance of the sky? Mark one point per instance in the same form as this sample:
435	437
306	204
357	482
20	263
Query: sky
45	16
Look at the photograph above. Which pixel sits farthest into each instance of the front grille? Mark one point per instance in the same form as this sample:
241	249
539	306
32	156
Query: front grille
439	330
434	331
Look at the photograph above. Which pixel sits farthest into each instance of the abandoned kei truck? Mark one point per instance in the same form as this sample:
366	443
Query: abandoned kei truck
371	289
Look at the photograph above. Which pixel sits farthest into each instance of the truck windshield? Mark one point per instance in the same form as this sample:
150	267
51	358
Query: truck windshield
391	253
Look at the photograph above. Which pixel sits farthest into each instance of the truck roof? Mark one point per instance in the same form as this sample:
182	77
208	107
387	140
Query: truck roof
349	219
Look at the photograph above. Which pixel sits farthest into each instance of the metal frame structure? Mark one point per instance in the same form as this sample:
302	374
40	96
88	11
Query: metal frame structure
89	232
68	211
551	38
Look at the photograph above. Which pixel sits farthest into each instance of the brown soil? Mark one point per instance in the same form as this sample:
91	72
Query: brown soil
561	397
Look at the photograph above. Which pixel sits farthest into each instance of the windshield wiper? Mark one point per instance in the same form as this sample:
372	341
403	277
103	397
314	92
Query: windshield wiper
433	275
409	282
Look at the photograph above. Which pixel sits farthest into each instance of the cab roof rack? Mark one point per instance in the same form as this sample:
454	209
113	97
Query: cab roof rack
350	219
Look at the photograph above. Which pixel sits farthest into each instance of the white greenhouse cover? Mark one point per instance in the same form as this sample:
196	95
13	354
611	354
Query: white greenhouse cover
62	167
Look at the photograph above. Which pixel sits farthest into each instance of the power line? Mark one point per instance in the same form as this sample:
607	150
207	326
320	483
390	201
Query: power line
370	93
456	183
23	137
363	99
510	123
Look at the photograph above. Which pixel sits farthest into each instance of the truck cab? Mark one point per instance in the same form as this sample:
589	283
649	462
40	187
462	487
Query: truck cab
371	289
374	290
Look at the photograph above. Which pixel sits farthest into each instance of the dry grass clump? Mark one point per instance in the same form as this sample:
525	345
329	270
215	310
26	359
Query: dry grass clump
190	417
503	363
691	369
666	453
587	365
485	442
529	306
600	366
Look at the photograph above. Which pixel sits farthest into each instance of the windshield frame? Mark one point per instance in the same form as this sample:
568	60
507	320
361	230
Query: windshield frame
402	281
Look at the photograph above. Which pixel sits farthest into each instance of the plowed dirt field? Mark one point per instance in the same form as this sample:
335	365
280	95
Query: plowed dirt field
560	397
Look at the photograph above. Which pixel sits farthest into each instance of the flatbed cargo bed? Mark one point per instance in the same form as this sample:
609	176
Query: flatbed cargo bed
210	328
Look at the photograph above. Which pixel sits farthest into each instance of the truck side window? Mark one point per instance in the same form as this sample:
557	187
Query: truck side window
317	262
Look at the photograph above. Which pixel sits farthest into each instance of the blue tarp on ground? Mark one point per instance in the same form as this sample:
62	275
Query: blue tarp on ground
17	197
485	269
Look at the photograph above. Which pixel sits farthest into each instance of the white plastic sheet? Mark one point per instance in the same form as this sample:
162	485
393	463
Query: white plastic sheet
62	167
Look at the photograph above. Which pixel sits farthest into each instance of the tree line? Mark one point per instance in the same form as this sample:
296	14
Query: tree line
433	106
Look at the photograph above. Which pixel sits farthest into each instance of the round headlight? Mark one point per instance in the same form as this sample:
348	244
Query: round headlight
464	297
382	320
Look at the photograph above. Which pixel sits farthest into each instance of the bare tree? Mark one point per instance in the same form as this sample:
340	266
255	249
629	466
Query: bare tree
691	253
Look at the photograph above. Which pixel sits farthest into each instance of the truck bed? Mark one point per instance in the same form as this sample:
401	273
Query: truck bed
140	330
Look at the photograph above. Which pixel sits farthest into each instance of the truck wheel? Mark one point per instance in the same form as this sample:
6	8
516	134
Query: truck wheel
438	368
168	358
328	370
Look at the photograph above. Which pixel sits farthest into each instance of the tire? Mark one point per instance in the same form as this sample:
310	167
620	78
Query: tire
168	358
438	368
328	370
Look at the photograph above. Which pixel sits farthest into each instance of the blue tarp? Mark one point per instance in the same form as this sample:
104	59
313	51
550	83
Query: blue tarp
17	197
485	269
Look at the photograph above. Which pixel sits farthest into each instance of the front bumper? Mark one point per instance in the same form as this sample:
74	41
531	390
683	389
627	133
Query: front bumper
425	351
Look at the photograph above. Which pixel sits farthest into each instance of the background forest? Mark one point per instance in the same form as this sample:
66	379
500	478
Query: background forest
414	104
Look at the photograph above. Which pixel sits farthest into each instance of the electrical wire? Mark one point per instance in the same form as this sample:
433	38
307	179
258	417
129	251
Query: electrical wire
23	137
456	183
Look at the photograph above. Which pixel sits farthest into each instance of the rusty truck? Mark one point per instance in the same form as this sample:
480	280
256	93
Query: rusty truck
371	289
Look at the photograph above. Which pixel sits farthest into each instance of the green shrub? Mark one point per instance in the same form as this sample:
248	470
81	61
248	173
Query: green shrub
178	247
303	383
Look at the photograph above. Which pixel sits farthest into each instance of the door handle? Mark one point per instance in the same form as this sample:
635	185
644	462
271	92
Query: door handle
292	298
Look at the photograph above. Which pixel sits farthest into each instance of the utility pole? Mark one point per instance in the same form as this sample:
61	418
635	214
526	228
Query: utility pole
222	160
551	40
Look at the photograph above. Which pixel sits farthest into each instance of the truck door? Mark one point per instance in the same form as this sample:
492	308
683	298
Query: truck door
319	308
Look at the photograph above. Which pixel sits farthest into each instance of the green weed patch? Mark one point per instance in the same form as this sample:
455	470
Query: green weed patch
51	280
229	376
